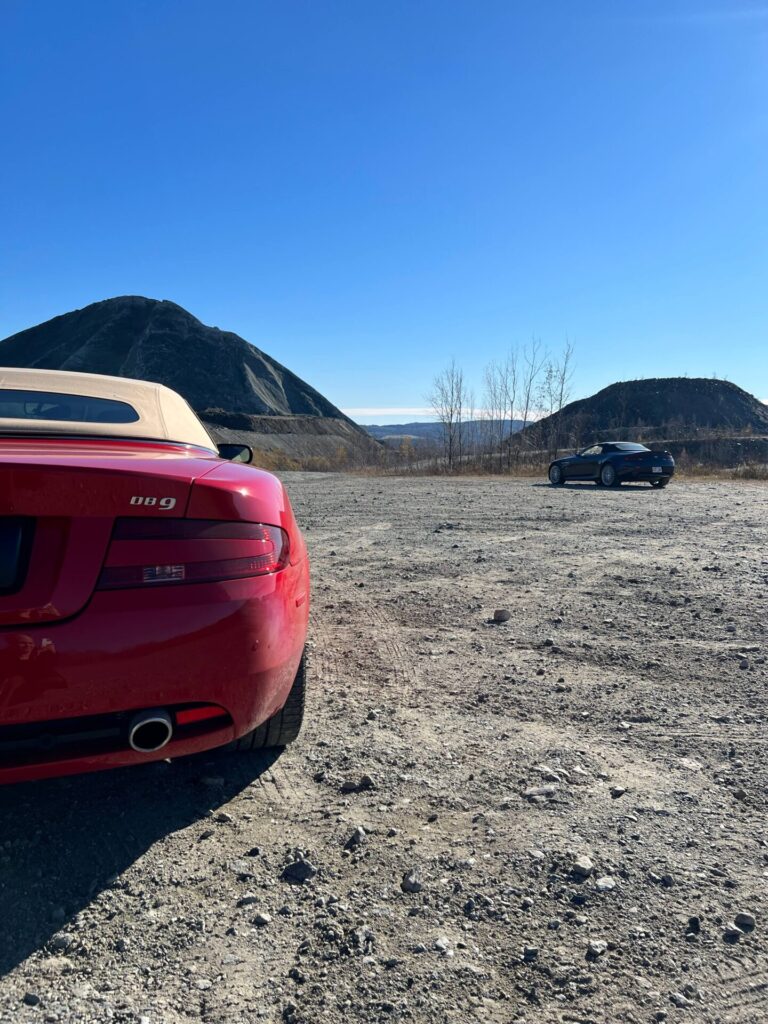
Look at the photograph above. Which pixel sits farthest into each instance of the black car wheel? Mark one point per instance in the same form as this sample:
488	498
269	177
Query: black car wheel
284	726
608	477
556	476
659	483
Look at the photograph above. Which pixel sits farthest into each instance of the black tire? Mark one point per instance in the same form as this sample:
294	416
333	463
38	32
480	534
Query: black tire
556	477
658	484
285	725
608	476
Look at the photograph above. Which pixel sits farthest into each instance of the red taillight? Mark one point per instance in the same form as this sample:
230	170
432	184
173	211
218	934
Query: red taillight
151	552
190	716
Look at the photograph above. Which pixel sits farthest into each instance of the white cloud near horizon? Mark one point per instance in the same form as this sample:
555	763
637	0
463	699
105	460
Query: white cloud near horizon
389	411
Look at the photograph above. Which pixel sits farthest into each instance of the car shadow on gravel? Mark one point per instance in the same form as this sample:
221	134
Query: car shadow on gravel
63	841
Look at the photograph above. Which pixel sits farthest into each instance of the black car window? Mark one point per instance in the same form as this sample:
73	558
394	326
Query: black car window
630	446
596	449
49	405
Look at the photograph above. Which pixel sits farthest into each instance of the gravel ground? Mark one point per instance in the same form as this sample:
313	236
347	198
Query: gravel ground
556	818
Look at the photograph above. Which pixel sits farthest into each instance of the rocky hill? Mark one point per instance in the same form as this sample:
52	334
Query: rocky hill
662	408
240	391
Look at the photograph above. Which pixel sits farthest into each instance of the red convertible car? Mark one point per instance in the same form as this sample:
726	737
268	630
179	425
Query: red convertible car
154	590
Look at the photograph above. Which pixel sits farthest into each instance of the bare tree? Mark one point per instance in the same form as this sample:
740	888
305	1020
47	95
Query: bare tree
406	452
563	369
534	358
494	408
510	377
499	403
448	398
469	428
552	393
546	399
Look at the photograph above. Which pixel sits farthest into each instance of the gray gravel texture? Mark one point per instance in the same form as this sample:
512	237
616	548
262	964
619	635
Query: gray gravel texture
559	817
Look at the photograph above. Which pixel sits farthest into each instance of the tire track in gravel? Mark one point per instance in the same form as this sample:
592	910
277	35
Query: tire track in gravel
280	779
736	735
743	993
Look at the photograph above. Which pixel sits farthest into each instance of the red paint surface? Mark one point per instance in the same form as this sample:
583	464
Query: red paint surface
67	649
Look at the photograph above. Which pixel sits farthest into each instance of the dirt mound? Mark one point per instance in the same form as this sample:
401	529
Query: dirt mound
219	373
662	408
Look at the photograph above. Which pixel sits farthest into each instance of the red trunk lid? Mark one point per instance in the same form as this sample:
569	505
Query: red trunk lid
58	501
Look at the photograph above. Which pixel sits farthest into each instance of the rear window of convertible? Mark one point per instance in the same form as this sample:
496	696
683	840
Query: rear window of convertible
50	405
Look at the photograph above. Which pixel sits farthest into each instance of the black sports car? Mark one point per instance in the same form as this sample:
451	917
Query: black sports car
610	463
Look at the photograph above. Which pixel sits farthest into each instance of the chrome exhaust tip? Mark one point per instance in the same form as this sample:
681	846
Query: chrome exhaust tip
150	730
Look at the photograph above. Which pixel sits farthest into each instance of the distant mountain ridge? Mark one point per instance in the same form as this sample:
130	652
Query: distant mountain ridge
661	408
431	432
219	373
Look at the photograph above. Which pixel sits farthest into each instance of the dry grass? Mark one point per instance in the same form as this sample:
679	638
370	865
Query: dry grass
750	471
525	468
274	460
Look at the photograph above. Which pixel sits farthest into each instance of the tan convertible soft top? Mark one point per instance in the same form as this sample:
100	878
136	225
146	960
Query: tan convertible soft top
160	413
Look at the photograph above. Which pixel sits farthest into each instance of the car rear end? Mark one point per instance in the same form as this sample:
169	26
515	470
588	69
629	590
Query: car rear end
650	466
141	584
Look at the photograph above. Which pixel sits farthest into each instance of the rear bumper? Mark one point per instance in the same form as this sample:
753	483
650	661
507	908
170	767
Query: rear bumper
236	644
646	475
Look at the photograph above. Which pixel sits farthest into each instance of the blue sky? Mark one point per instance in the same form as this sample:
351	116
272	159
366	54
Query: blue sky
365	189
